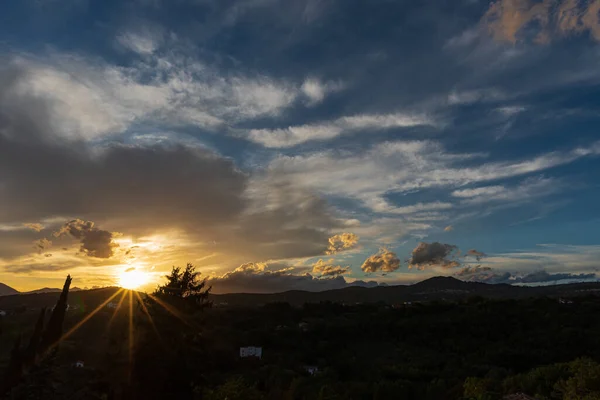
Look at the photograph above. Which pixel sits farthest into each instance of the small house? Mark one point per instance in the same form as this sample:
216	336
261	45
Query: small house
251	351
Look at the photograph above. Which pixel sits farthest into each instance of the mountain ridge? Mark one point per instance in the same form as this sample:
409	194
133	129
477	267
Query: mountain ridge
6	290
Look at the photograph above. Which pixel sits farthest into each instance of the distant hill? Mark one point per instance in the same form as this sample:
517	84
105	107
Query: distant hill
6	290
437	288
88	298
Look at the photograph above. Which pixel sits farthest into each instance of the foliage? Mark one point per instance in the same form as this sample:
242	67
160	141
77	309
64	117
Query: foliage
233	389
42	343
185	287
432	351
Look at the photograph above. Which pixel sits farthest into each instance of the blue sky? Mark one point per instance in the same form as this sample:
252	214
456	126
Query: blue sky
241	135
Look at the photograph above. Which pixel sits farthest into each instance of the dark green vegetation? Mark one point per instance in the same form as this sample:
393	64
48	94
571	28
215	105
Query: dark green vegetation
464	347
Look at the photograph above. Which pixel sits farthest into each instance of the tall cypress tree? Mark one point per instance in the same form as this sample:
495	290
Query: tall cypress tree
29	357
53	330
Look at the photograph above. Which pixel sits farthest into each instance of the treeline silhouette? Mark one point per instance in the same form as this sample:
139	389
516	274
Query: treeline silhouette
172	344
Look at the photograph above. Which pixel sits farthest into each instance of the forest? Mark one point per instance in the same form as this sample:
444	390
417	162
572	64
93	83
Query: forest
175	344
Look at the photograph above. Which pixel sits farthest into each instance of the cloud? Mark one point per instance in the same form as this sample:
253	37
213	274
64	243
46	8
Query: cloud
384	261
341	241
541	21
474	253
143	188
383	206
492	276
368	176
433	254
316	90
295	135
252	267
94	242
34	226
543	276
42	245
130	269
276	281
324	268
477	192
449	228
526	190
145	42
91	98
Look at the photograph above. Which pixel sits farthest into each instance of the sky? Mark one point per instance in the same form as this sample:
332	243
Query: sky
313	144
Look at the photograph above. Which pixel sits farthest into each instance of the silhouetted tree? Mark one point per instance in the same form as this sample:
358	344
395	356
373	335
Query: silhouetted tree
177	370
185	287
53	330
34	342
39	342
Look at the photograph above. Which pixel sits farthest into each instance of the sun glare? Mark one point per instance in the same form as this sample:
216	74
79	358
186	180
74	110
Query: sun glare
132	279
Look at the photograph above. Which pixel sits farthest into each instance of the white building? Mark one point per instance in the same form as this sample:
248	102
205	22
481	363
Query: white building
78	364
2	313
251	351
112	305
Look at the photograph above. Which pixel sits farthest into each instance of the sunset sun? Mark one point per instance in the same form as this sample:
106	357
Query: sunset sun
132	279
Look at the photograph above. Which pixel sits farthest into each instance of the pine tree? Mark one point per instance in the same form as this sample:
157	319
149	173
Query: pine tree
185	288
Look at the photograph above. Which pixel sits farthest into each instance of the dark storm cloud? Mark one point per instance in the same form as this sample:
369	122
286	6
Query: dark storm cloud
143	189
94	242
383	261
249	280
543	276
433	254
489	275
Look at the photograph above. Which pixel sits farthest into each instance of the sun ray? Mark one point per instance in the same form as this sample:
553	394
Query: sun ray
131	338
84	320
145	310
171	310
116	310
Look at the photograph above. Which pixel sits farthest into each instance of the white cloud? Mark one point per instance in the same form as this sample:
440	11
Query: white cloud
509	111
139	42
482	191
403	166
91	98
526	190
466	38
316	90
294	135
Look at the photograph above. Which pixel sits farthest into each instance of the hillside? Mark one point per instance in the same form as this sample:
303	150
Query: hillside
437	288
6	290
